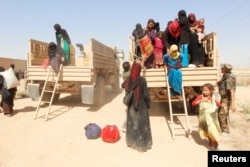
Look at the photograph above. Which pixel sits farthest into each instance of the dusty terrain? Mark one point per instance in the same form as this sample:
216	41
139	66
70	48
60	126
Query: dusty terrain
61	142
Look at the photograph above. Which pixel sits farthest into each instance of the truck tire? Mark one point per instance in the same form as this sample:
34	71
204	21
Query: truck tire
116	85
99	92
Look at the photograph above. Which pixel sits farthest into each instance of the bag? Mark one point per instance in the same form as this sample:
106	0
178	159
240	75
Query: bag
146	46
127	98
10	78
92	131
110	134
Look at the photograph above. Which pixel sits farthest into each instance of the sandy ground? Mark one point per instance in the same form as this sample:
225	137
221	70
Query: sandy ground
61	142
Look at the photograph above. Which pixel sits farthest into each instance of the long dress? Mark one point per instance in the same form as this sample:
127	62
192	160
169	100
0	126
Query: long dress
7	101
174	74
63	40
209	126
138	133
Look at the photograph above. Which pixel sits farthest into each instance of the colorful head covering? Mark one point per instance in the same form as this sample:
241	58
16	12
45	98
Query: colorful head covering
174	54
174	29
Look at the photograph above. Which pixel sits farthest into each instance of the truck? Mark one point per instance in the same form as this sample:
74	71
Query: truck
96	67
193	78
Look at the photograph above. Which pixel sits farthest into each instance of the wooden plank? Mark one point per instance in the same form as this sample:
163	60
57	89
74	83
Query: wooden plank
67	78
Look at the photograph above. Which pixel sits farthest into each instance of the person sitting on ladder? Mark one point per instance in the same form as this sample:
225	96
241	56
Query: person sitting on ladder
172	65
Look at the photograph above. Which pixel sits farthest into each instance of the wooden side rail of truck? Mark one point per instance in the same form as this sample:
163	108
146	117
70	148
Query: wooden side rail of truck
87	74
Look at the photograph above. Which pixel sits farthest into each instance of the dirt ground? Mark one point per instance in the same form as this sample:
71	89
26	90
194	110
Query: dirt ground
61	142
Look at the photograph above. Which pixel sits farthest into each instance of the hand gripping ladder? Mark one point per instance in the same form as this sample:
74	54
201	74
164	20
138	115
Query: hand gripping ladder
51	77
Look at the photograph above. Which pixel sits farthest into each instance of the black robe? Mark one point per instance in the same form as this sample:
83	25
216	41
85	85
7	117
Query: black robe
138	133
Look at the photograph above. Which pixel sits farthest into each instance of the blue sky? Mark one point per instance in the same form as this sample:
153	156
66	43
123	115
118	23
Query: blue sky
112	21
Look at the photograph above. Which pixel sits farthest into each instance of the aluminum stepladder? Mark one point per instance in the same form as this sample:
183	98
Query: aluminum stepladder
51	77
172	115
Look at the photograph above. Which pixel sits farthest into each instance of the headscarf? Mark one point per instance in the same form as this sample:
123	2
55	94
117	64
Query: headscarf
194	22
57	27
174	54
182	13
52	50
139	31
132	83
174	29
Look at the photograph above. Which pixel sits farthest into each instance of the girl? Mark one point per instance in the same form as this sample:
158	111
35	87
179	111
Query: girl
158	50
208	117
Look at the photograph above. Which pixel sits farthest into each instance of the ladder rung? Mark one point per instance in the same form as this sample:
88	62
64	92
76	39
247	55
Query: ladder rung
48	90
179	114
46	102
176	99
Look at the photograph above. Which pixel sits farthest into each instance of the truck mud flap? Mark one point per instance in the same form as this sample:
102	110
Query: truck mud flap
87	94
33	91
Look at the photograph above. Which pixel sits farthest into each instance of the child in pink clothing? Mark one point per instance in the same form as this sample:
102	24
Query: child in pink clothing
158	50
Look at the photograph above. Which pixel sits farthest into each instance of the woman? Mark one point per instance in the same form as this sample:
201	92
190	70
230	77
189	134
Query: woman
172	64
209	126
184	26
196	50
8	96
63	40
138	133
172	35
56	56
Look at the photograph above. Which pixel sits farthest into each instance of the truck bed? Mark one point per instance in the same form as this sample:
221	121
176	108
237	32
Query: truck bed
69	73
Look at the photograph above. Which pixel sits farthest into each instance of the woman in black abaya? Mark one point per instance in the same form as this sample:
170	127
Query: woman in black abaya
138	133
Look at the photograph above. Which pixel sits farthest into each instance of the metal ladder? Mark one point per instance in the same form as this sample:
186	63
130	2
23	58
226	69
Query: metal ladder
51	77
172	115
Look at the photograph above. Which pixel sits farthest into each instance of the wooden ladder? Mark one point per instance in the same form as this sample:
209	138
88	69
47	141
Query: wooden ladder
172	115
51	77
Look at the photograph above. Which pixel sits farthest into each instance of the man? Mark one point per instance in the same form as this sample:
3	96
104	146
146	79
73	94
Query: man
227	88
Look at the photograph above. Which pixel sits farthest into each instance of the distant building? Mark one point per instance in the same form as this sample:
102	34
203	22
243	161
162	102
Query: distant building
20	65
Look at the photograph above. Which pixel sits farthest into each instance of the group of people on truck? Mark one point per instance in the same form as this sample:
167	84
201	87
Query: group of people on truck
185	31
59	52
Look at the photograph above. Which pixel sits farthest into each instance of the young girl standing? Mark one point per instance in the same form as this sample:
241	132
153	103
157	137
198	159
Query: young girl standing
209	126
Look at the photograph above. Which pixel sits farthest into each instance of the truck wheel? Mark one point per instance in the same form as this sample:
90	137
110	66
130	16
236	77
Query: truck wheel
116	85
99	92
47	97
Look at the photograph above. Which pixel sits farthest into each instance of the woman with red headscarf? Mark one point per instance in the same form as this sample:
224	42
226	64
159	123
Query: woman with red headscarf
138	133
172	35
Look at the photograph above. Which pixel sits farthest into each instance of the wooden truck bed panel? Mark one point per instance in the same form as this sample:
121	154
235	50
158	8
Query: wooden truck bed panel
102	55
69	73
38	52
191	76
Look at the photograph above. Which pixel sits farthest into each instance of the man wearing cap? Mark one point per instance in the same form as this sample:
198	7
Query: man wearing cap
227	88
